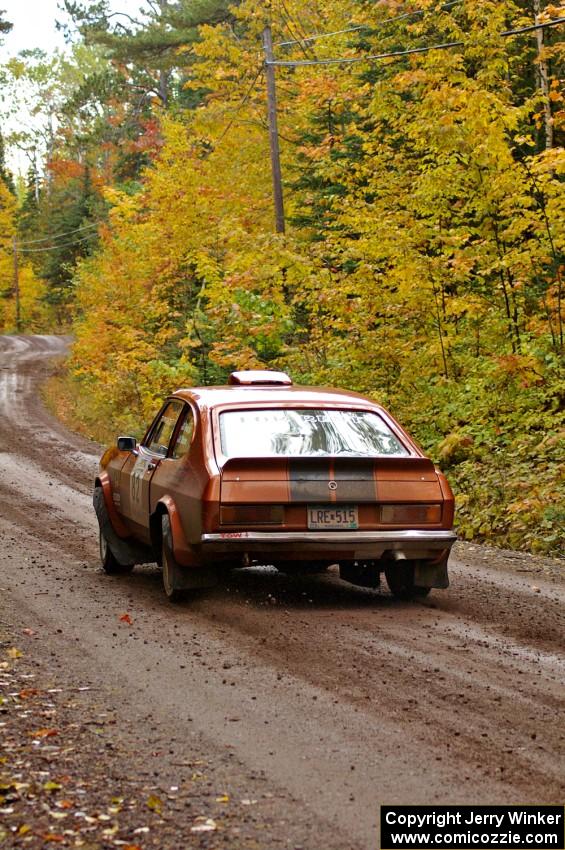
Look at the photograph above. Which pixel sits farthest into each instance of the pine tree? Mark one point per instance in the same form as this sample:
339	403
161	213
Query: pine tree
152	45
69	208
5	26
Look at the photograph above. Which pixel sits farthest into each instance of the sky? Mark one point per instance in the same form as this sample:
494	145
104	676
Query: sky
34	23
34	26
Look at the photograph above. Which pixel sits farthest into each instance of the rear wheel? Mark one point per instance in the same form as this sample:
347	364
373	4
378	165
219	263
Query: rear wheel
171	579
400	579
110	563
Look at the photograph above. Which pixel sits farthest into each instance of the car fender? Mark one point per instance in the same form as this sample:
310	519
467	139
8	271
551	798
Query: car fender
120	528
182	550
127	550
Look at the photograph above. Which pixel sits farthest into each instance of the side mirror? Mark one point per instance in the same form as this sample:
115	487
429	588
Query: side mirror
127	444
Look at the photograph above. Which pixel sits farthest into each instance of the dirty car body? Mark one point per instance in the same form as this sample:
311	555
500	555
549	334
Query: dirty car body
264	472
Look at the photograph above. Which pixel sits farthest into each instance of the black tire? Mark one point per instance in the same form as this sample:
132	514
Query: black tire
400	579
171	583
110	563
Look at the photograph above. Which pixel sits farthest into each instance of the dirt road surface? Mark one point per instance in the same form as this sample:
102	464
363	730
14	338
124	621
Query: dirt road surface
314	701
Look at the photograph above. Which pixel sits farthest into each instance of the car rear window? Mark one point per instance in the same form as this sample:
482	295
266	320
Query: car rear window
296	432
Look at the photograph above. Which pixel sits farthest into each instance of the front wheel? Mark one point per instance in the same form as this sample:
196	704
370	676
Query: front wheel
110	563
400	579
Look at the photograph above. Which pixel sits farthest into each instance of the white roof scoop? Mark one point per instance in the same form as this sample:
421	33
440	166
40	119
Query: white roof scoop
259	377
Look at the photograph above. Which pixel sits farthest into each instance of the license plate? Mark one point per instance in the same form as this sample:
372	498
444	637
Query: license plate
332	516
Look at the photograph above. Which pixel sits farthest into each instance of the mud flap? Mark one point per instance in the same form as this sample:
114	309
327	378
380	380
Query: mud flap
428	574
128	551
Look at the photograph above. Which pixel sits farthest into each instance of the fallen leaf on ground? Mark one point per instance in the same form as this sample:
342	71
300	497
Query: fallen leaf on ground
154	803
125	618
13	652
43	733
26	693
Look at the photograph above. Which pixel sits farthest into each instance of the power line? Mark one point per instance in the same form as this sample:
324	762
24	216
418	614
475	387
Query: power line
58	235
17	249
302	37
324	35
533	27
240	106
373	58
54	247
372	29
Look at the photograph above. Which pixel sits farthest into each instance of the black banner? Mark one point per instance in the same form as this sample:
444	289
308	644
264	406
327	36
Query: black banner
472	827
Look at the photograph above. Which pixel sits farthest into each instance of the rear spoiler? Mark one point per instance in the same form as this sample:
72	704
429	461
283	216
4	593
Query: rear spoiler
265	468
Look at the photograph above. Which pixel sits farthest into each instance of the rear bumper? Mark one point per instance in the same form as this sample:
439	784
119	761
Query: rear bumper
346	544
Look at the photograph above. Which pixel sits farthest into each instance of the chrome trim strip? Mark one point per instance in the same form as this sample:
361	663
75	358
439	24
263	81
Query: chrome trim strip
413	536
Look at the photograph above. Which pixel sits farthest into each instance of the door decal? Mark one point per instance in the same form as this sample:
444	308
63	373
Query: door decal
136	479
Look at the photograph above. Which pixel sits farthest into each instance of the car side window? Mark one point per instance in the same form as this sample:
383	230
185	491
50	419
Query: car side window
161	433
184	437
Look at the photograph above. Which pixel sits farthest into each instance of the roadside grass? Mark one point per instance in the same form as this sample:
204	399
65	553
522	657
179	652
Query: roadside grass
63	398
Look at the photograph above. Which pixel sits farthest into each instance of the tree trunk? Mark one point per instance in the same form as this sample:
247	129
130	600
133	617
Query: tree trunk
164	87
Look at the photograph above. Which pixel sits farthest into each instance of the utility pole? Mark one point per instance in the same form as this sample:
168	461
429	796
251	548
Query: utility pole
543	76
273	130
164	73
17	285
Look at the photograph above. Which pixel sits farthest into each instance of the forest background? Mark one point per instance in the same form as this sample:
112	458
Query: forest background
423	258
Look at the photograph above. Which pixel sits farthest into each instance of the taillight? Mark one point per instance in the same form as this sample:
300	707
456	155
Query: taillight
251	514
410	514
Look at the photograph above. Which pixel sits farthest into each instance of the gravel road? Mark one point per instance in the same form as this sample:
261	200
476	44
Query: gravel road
318	700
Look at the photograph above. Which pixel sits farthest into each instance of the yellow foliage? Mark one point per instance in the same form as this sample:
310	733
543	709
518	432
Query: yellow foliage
421	260
33	312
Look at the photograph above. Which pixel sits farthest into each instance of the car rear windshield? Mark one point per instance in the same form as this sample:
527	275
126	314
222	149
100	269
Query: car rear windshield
296	432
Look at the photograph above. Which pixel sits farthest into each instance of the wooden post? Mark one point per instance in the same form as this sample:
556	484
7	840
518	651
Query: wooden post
543	77
273	130
17	285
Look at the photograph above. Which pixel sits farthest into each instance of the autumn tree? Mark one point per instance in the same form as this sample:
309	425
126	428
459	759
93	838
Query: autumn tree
21	303
153	44
423	260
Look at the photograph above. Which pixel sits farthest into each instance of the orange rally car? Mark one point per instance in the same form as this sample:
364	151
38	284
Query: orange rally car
264	472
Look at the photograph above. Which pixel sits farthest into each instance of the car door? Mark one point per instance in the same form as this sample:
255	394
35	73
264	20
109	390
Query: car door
174	475
140	468
182	476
